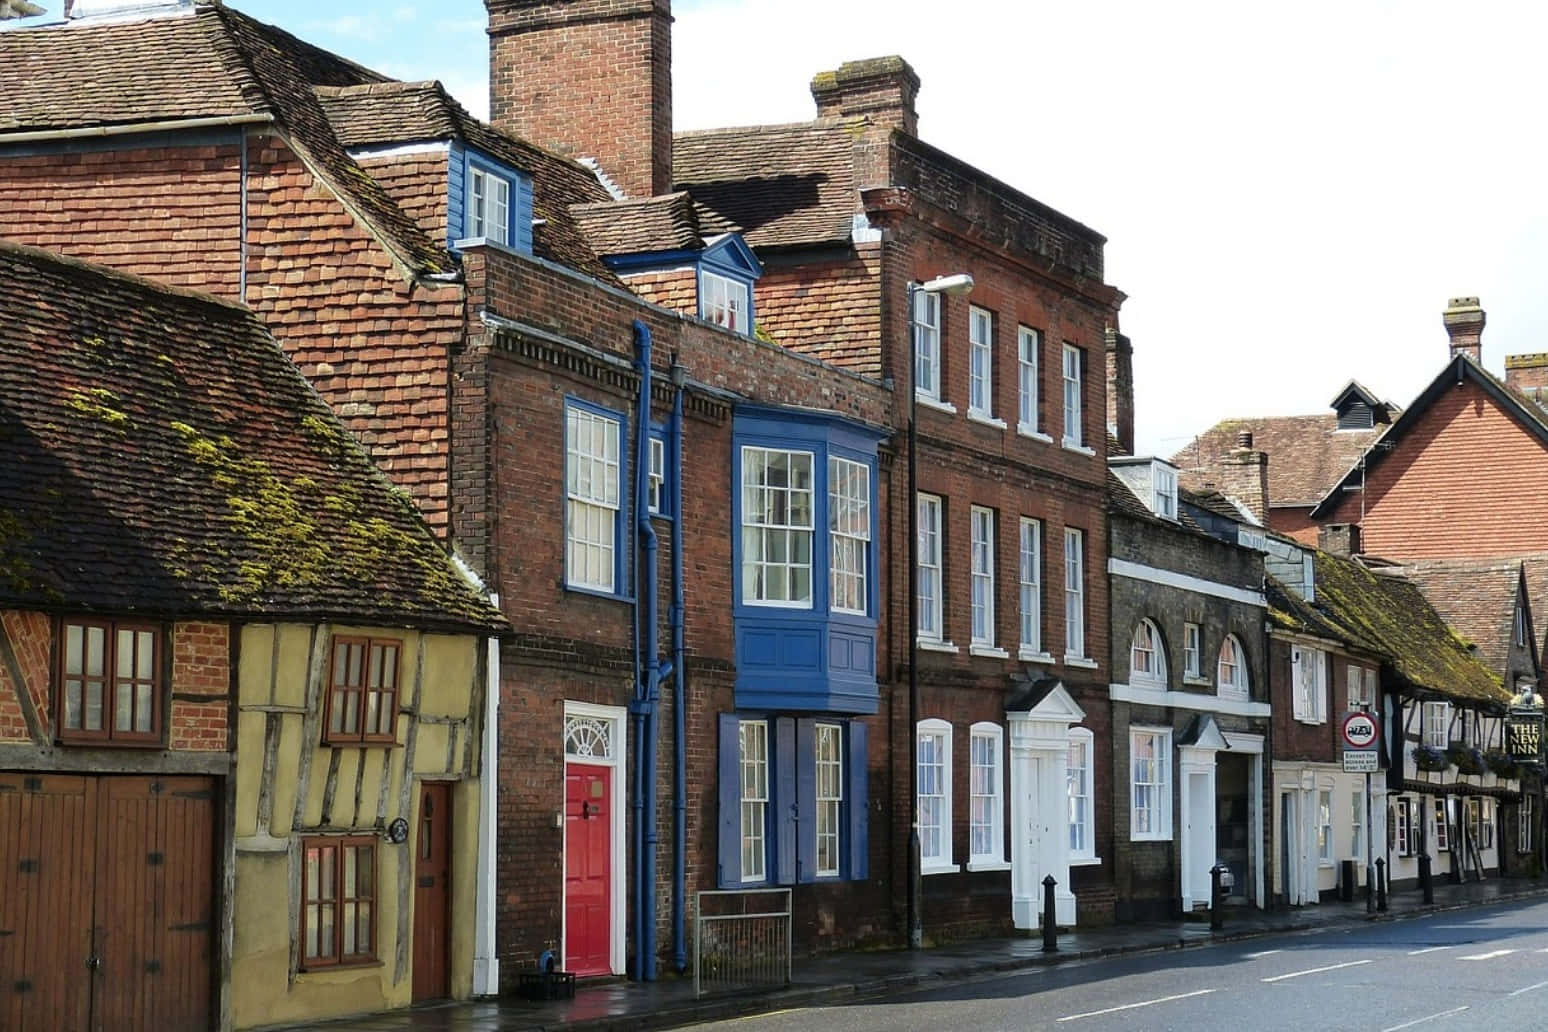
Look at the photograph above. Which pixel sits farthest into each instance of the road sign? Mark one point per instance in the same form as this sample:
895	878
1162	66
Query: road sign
1361	761
1359	731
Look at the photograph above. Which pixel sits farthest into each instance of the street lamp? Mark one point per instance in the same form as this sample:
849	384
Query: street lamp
954	286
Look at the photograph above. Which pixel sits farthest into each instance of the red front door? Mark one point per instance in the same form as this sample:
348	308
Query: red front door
588	874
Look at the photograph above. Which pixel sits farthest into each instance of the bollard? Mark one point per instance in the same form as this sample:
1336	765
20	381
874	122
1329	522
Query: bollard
1370	892
1426	884
1050	922
1216	894
1381	884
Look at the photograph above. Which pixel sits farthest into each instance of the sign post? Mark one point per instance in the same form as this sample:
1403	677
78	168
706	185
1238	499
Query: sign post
1360	734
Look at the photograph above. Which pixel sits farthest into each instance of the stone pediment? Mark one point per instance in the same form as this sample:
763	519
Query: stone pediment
1043	699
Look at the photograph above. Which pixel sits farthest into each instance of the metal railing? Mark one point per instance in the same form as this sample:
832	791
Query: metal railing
741	940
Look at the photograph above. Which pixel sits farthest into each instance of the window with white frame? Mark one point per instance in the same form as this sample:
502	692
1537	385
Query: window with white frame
982	546
1147	657
1072	397
1231	669
1525	828
1074	593
1357	824
1325	826
927	345
1150	795
1309	673
656	475
591	499
755	799
1028	344
1163	487
1403	826
928	576
1030	576
723	301
489	206
1077	773
1191	648
1480	822
1362	687
776	527
1442	826
932	804
1435	724
849	533
829	751
980	362
986	826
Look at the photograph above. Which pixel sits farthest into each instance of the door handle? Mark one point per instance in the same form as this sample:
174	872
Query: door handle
94	962
585	810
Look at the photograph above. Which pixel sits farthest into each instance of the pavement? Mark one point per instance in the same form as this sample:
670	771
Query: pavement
619	1006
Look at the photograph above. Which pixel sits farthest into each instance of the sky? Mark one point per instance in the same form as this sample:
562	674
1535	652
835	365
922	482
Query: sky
1290	193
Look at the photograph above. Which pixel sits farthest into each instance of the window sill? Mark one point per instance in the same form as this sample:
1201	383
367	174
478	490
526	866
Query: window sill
1195	681
988	651
1309	720
1023	430
1081	662
1086	861
935	403
1077	448
988	865
1159	687
1028	656
581	589
1159	836
939	868
1233	694
343	965
1325	865
986	420
932	645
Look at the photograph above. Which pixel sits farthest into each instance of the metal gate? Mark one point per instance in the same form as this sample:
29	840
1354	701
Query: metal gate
741	940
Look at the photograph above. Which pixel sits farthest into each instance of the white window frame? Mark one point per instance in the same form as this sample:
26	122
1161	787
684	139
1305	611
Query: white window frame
1309	684
754	772
1029	346
1325	827
828	757
1360	684
1435	724
760	527
1074	593
1525	825
1193	643
1357	824
981	521
592	470
1163	491
1078	789
928	581
980	362
656	475
1147	657
935	847
489	213
926	329
1159	827
986	786
849	535
1402	829
1480	821
1441	823
1073	386
1030	579
1233	680
723	301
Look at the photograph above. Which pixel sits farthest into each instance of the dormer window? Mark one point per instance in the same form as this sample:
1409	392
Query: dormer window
488	200
723	301
1163	487
489	206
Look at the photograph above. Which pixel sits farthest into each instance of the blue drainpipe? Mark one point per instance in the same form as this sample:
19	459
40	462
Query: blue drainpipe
679	687
649	683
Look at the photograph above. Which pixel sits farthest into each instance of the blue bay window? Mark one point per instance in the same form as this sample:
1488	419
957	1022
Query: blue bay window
488	200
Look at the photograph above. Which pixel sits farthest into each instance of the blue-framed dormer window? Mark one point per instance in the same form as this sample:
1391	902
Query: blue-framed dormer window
489	205
488	200
594	470
727	270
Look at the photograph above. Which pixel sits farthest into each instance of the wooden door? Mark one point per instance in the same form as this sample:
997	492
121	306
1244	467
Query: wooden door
432	892
588	853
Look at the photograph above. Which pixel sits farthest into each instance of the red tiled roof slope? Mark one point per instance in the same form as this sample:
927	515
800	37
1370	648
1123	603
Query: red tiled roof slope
641	226
1307	454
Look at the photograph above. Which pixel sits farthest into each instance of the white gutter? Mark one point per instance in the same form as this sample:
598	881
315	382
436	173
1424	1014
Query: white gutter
486	958
134	128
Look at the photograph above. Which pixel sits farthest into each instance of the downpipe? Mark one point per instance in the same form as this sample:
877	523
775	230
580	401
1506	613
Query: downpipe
679	686
648	648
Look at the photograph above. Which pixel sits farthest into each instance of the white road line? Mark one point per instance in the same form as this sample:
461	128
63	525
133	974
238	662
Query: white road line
1529	988
1270	953
1488	956
1432	949
1315	971
1132	1006
1421	1021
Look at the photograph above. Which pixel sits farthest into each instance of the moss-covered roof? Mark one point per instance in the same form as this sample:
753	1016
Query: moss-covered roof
162	455
1388	616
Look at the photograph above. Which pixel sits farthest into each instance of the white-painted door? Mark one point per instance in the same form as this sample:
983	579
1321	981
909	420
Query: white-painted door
1200	844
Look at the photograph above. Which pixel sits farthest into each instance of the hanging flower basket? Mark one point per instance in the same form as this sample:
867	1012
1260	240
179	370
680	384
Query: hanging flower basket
1467	760
1429	758
1501	765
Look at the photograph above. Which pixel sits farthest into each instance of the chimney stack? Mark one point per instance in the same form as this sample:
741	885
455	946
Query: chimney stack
1341	539
588	79
882	88
1120	390
1527	372
1243	475
1244	440
1464	325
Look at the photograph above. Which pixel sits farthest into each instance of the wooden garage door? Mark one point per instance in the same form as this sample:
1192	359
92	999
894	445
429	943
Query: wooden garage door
106	902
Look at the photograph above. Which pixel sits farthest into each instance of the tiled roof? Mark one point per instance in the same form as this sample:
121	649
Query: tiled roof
1390	617
164	456
664	223
1122	501
1217	503
781	185
1477	597
403	112
1307	454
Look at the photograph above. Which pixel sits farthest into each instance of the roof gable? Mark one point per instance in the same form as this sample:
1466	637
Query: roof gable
728	252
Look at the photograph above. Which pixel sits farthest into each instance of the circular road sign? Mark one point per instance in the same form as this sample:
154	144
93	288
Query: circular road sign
1360	730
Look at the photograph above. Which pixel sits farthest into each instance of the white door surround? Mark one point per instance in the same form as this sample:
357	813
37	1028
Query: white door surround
1252	745
594	735
1196	767
1039	720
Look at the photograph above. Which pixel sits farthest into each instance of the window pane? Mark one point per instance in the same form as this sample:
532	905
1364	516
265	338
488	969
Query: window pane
142	711
93	720
123	708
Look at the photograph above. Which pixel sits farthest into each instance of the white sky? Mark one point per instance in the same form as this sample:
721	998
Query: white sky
1290	192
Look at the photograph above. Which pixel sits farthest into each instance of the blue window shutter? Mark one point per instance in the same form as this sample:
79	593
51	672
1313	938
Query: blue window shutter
806	800
729	868
785	800
521	211
859	808
456	176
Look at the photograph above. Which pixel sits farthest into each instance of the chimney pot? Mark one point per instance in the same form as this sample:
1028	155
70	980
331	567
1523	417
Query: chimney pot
1464	322
881	88
1244	439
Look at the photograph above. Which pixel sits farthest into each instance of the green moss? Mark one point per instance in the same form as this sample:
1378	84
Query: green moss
100	404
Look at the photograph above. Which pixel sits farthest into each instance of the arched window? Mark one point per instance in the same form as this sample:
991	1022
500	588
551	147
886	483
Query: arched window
1231	672
1147	657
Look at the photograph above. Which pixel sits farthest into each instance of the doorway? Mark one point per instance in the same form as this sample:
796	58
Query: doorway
432	892
1200	844
588	870
1233	813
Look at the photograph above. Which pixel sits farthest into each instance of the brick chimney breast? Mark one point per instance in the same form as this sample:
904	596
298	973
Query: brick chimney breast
1341	539
1120	389
881	88
1464	321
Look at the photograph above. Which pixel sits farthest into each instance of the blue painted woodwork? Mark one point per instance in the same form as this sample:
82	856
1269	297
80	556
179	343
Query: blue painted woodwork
460	163
726	255
856	803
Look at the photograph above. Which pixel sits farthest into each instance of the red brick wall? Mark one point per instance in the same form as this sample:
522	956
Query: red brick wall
1313	743
677	289
829	309
418	183
201	666
28	636
1459	483
1294	521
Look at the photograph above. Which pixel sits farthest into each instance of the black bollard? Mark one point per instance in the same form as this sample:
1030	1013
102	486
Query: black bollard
1426	885
1216	898
1381	885
1050	922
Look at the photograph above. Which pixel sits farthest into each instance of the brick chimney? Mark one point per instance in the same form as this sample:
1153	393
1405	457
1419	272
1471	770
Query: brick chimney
883	88
588	79
1527	372
1464	325
1120	390
1339	539
1243	474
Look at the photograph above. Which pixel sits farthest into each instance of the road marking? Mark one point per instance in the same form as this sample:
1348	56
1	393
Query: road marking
1529	988
1132	1006
1270	953
1315	971
1488	956
1429	949
1421	1021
